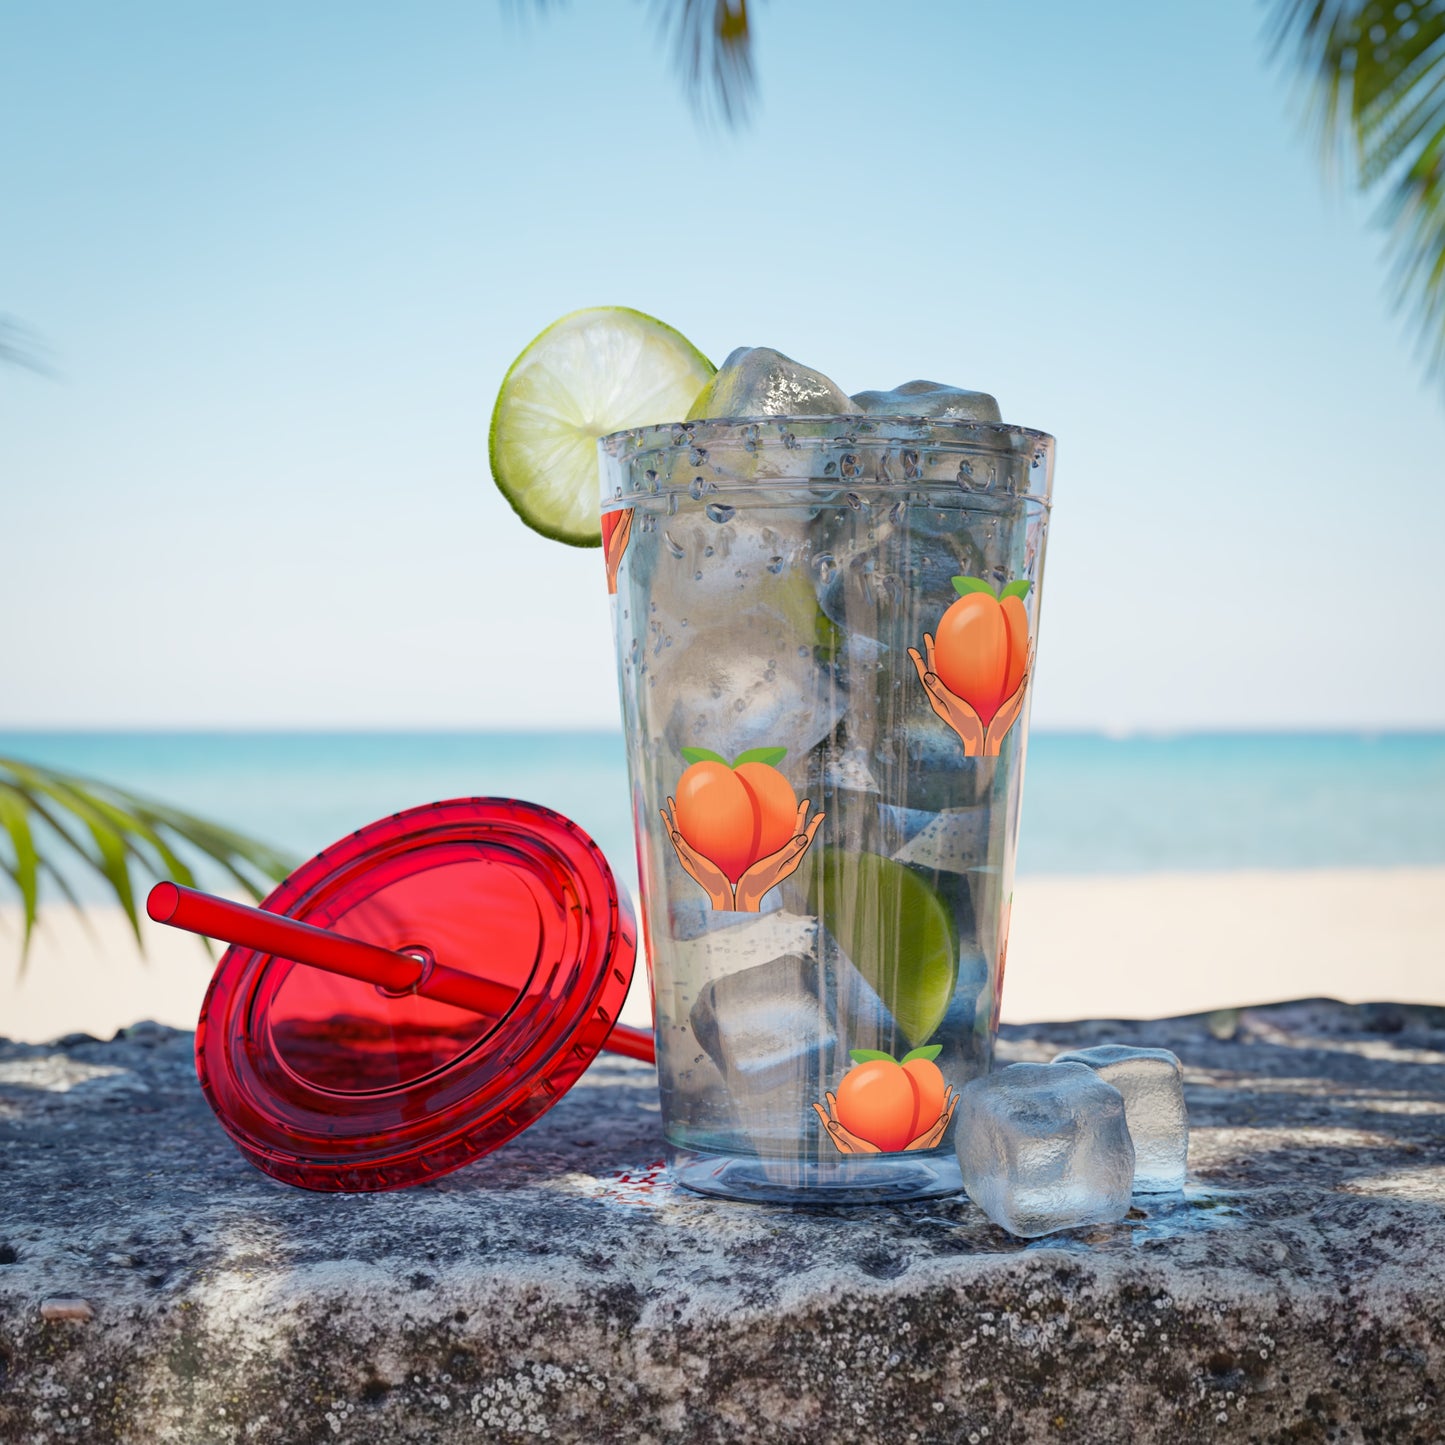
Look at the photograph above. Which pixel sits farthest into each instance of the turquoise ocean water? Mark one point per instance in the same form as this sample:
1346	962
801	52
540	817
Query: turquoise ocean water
1092	804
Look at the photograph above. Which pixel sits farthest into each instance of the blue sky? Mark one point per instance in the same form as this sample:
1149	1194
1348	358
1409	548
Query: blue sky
283	254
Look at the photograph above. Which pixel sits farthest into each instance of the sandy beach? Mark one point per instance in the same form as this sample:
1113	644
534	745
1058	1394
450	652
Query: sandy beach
1145	946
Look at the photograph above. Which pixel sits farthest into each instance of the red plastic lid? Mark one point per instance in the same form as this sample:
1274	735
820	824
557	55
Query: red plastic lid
335	1084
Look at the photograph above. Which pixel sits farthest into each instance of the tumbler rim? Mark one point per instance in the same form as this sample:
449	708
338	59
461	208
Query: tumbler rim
894	455
999	435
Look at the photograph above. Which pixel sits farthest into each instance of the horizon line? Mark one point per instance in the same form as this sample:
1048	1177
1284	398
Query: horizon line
1112	732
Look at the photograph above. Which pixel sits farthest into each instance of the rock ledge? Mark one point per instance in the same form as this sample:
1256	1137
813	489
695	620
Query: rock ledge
155	1288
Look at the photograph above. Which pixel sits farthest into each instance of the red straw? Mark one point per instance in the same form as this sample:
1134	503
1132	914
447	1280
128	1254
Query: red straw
399	973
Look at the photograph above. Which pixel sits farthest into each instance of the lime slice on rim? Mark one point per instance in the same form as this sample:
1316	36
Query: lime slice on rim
596	371
897	932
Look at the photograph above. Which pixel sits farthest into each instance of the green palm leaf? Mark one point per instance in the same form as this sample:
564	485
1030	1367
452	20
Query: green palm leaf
24	870
45	813
1377	73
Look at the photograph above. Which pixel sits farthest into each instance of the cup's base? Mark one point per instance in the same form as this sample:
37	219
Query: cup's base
868	1179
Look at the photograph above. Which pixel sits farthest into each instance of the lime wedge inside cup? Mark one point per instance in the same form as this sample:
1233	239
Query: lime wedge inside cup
593	372
897	932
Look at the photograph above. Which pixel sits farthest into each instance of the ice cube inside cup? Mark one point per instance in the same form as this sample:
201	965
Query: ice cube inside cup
756	381
776	1030
930	399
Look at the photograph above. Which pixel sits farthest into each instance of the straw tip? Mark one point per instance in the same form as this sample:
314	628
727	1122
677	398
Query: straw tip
161	902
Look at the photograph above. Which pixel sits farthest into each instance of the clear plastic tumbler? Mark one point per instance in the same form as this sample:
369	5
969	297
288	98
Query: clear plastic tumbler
825	631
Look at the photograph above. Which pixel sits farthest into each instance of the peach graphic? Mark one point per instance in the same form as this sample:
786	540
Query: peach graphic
976	670
888	1106
737	827
616	533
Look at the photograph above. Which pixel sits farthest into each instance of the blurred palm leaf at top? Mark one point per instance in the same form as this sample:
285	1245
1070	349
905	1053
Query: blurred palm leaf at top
1376	72
1377	75
45	813
712	46
19	347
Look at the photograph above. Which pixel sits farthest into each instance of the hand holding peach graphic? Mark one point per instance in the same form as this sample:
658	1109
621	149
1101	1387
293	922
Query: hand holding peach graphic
737	828
888	1106
702	870
769	871
977	670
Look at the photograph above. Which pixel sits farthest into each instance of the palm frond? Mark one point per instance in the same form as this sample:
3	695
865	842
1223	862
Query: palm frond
20	348
713	48
713	45
46	814
24	871
1377	80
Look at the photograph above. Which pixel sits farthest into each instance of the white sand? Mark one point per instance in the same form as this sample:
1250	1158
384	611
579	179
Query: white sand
1107	947
1162	944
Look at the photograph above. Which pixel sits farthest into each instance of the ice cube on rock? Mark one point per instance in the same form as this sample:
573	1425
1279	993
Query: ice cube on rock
1152	1083
1044	1147
758	381
931	399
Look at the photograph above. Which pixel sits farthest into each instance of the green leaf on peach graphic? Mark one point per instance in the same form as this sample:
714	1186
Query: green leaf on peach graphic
964	585
929	1051
771	756
702	755
869	1056
1016	589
